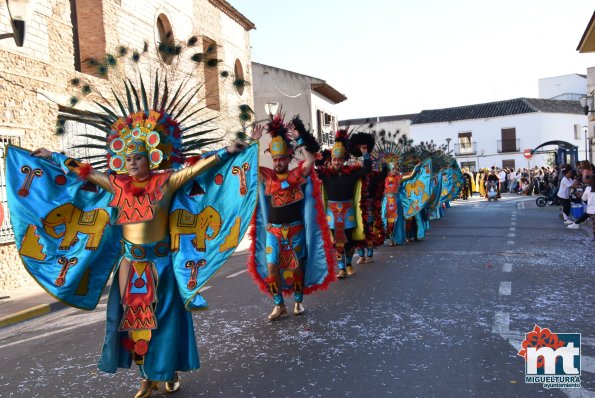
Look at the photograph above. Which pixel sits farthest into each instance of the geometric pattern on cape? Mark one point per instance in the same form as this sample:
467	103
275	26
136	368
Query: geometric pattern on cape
415	192
320	261
208	218
63	228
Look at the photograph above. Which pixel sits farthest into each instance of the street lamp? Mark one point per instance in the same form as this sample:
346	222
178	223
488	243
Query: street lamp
448	140
587	103
20	12
271	108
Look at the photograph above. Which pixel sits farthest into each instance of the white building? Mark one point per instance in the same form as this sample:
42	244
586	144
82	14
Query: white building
310	97
496	133
567	87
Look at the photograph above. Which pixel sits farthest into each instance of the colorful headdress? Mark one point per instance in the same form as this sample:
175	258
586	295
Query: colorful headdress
279	145
138	137
167	124
339	149
387	154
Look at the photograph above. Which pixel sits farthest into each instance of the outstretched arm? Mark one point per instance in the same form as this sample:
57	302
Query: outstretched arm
181	177
303	139
83	170
410	175
364	171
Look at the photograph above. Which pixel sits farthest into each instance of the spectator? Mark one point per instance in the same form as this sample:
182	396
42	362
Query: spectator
511	180
588	197
502	180
564	194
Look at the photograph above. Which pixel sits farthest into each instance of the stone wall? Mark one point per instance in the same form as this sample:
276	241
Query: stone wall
34	79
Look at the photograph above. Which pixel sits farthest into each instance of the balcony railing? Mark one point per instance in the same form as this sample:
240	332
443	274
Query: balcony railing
467	148
508	146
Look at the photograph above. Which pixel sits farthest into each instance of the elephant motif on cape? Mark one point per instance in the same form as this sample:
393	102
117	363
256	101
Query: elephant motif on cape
182	222
416	187
75	221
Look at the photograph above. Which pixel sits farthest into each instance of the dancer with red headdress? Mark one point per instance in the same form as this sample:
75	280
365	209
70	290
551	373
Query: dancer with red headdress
291	245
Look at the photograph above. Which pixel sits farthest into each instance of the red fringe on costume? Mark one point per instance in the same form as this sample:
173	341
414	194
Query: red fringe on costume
84	170
329	249
378	224
327	244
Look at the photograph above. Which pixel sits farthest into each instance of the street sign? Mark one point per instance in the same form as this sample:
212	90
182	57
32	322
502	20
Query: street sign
527	154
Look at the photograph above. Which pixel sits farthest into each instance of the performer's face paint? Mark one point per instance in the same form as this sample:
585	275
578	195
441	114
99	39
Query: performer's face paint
137	166
337	163
281	164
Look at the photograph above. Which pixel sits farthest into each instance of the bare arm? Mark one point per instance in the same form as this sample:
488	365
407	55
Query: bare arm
410	175
181	177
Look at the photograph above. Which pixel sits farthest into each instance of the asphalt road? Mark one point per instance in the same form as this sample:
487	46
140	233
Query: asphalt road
439	318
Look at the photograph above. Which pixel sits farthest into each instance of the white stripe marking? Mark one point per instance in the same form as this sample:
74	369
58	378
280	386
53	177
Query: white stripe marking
501	323
202	289
40	336
510	242
507	267
505	288
237	273
513	223
511	235
512	229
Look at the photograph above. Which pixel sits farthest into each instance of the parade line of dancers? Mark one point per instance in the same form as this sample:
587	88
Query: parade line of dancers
148	208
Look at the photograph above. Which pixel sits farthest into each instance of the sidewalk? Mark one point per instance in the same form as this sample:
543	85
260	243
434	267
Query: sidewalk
24	303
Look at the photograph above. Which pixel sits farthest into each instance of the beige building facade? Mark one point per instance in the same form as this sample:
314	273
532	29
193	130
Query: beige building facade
64	34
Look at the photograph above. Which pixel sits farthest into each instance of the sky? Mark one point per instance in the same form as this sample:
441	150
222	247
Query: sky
392	57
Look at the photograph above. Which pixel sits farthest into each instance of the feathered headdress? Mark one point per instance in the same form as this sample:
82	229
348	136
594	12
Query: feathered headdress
163	120
279	145
386	154
356	140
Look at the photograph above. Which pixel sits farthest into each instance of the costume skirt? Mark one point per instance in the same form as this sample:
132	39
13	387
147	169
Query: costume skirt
171	344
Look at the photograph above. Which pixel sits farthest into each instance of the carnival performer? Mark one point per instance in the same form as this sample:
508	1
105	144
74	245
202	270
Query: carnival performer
342	189
388	154
392	184
371	199
371	208
291	246
159	227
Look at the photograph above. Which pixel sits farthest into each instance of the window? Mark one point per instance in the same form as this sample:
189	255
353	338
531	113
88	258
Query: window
509	142
465	146
468	165
579	131
74	135
211	74
165	39
319	122
238	72
6	232
508	164
89	35
465	140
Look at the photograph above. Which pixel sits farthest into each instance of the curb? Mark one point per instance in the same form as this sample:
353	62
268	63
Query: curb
43	309
31	313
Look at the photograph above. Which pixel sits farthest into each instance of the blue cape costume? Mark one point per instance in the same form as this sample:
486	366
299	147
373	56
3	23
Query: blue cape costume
68	241
320	261
414	195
